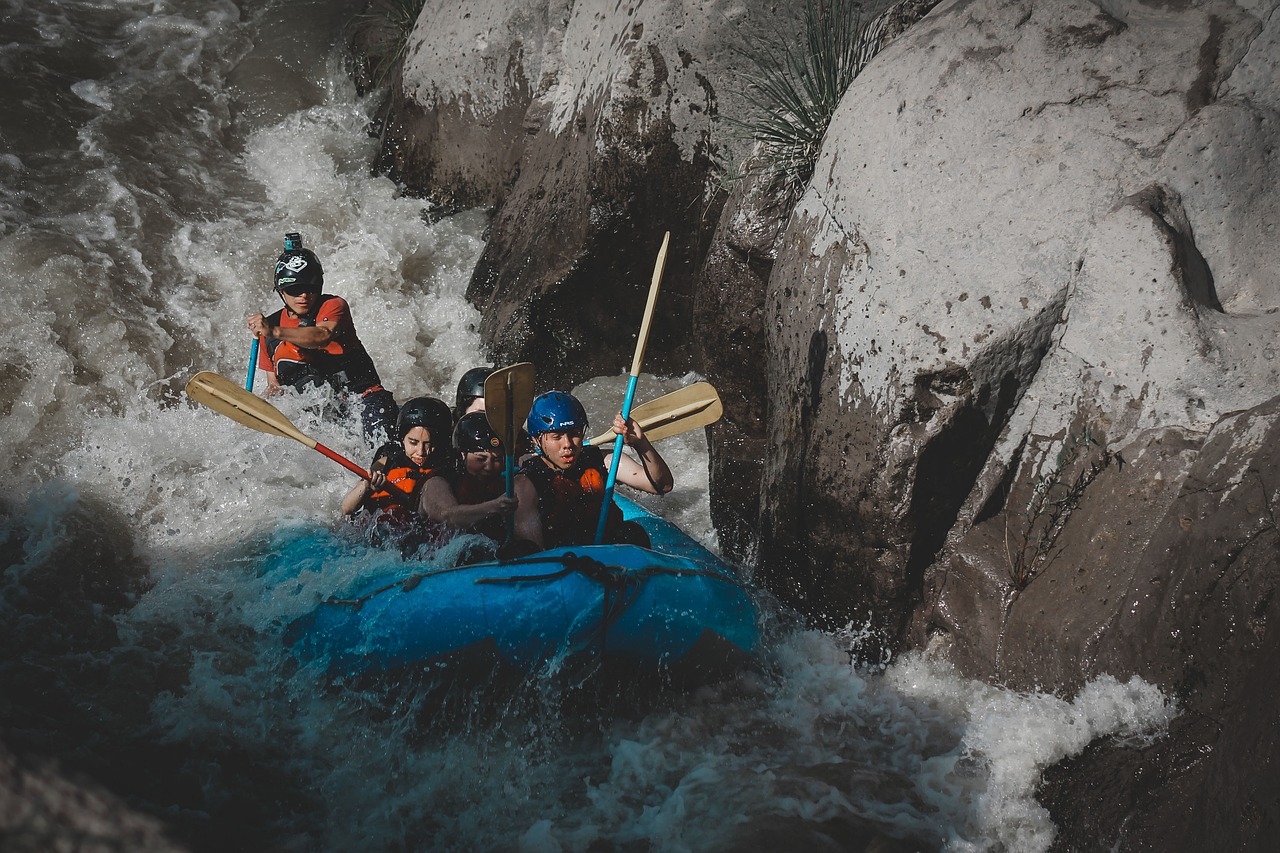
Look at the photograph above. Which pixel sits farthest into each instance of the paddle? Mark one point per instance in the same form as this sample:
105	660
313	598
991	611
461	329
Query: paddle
253	363
508	396
682	410
226	398
641	340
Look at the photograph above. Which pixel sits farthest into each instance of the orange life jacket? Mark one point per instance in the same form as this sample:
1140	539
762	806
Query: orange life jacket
343	362
397	500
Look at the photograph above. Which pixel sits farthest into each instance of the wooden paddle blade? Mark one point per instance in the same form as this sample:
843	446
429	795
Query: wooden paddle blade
643	339
508	396
688	408
227	398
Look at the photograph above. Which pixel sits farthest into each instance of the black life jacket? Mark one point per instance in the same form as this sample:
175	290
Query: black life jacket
569	501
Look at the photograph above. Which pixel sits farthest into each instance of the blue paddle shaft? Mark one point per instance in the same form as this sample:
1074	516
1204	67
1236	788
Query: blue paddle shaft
510	454
617	457
253	363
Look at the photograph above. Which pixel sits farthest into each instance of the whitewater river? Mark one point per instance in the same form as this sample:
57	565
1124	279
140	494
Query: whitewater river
154	153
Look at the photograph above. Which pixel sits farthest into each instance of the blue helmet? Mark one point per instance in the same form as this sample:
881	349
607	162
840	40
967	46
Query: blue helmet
555	411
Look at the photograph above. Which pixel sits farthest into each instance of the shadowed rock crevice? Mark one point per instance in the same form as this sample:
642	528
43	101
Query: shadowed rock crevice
730	348
564	279
1165	207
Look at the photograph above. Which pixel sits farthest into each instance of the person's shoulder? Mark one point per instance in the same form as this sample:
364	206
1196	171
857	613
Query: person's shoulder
332	305
448	472
383	456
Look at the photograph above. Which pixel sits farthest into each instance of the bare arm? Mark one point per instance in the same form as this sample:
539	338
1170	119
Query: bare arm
438	503
311	337
651	474
528	523
355	498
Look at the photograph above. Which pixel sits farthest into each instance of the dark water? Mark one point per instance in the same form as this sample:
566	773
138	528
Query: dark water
153	155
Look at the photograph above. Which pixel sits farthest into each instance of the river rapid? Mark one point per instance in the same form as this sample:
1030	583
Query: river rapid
154	153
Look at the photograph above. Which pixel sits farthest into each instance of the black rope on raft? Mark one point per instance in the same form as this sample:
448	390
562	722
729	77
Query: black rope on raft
587	566
615	581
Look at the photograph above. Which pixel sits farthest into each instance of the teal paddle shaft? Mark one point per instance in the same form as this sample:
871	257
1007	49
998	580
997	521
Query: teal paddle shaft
253	363
641	340
509	453
617	454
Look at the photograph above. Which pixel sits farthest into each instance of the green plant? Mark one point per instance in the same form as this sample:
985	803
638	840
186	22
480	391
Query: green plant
1054	496
794	89
393	20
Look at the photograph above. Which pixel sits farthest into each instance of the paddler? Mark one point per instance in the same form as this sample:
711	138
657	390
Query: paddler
400	470
312	341
569	477
473	498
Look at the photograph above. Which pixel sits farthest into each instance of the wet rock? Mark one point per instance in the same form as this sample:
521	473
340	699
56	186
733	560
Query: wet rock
43	810
1195	613
994	188
592	129
729	316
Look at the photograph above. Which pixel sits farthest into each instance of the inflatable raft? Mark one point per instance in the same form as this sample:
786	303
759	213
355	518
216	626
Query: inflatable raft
674	610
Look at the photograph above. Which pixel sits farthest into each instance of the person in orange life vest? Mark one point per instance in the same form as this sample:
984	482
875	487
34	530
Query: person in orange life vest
400	470
473	496
313	341
569	477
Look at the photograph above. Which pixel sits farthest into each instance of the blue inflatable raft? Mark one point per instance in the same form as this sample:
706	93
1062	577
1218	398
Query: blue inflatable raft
674	610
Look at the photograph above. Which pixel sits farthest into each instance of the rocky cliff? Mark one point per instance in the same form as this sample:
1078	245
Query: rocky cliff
1004	383
592	128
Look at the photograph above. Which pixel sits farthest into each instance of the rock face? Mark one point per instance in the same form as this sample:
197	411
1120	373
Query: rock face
1018	340
1008	241
1194	610
593	128
1022	369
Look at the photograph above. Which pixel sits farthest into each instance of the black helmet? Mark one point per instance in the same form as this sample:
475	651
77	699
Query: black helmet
430	413
473	434
297	265
471	386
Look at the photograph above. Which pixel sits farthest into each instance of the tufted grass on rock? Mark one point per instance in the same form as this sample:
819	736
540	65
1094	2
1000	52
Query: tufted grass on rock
794	89
394	20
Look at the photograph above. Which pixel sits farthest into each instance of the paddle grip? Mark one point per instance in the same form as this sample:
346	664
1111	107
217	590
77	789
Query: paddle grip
253	363
343	461
617	456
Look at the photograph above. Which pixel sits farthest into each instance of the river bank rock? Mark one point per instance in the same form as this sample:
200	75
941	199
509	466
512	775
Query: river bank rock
1025	184
42	809
1193	611
1017	340
592	129
1022	361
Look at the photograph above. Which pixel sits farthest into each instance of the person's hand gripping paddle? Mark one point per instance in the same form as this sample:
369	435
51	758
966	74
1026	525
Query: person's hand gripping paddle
226	398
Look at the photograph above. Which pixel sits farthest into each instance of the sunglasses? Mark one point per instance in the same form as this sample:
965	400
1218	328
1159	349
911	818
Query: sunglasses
296	289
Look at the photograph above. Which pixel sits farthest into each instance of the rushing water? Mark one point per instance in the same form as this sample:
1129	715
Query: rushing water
153	155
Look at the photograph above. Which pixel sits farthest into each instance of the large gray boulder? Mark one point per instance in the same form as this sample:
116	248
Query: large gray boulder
1022	369
1023	224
